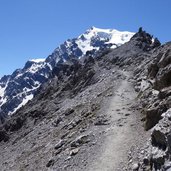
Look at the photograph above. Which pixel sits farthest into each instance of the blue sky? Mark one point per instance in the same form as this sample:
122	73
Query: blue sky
34	28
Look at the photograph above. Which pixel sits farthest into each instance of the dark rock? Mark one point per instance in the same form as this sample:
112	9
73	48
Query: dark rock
101	121
17	123
68	112
146	161
163	78
59	144
156	43
158	162
153	116
80	141
140	30
3	135
152	70
165	59
159	139
158	150
144	40
89	61
127	114
50	163
160	69
58	151
37	113
169	142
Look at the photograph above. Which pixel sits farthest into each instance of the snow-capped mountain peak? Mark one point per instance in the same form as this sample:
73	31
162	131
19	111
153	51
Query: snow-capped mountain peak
114	35
94	36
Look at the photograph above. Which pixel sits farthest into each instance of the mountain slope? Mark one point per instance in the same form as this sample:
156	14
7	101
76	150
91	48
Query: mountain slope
17	89
73	117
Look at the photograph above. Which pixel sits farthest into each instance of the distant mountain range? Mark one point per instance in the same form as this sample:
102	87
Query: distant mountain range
19	87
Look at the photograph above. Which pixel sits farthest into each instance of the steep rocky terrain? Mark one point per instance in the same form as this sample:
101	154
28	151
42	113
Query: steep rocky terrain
92	113
19	87
153	84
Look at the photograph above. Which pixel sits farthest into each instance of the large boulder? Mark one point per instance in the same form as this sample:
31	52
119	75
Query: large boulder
153	115
165	59
163	78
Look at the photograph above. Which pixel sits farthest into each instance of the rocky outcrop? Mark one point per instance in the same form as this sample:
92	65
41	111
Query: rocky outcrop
160	68
158	150
145	40
3	135
154	86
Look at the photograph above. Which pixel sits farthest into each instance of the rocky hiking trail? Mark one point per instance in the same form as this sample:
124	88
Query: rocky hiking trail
125	133
110	142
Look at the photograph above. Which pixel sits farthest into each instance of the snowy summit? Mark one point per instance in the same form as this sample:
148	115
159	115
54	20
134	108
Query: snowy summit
112	36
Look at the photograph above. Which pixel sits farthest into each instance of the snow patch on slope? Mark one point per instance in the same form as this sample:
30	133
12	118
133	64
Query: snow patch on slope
3	99
36	67
37	60
25	100
2	91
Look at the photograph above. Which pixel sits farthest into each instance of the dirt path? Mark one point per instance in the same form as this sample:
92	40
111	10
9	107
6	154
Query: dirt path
123	131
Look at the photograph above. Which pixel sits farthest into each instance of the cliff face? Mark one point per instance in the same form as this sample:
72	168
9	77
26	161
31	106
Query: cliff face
89	112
